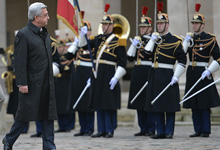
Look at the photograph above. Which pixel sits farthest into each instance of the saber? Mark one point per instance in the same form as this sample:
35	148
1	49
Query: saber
199	91
161	93
155	16
139	92
83	92
81	18
192	87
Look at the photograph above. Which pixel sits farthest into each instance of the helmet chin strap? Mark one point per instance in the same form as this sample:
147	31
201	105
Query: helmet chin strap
146	31
106	29
199	28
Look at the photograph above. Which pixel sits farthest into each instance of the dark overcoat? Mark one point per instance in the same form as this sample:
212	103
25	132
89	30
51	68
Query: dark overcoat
80	75
101	96
33	67
205	47
168	52
139	77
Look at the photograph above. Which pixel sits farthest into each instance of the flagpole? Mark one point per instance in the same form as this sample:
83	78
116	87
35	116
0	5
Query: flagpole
136	17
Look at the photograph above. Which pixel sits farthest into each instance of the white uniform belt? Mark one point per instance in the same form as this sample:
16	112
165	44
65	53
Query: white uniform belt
102	61
83	63
199	64
162	65
147	63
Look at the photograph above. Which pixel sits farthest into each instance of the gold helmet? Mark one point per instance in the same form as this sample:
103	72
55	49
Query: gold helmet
198	17
145	21
107	18
161	17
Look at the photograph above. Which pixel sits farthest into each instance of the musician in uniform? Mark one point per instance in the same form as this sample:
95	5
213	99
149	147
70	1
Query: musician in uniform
111	60
164	57
143	62
80	74
204	47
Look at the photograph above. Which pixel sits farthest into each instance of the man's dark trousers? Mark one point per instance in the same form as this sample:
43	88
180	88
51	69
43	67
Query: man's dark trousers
47	133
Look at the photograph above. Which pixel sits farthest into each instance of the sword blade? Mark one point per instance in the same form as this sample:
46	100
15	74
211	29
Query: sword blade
161	93
139	92
192	87
199	91
83	92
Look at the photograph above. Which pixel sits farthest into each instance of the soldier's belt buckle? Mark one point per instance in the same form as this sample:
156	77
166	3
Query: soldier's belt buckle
78	62
139	62
156	65
194	63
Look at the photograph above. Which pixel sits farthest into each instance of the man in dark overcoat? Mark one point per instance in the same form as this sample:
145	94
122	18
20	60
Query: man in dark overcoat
34	77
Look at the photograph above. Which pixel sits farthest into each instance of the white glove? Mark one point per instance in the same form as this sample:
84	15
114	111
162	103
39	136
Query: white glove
84	31
135	42
74	46
188	38
76	40
113	82
205	74
174	80
154	37
89	82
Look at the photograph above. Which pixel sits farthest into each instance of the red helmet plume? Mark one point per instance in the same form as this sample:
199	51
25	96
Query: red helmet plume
197	7
144	10
83	12
160	6
107	6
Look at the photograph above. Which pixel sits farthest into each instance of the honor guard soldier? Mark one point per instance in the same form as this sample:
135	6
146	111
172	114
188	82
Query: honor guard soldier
111	61
162	74
62	84
80	74
204	47
143	63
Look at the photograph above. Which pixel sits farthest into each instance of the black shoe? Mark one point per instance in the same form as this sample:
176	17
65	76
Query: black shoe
169	136
195	135
158	136
149	134
99	134
204	135
88	134
7	146
109	135
59	130
79	134
36	135
139	134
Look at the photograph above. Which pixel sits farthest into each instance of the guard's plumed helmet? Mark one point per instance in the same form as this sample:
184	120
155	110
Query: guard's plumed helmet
107	18
161	17
145	21
198	17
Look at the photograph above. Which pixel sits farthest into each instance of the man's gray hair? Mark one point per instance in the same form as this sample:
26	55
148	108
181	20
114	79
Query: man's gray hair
35	9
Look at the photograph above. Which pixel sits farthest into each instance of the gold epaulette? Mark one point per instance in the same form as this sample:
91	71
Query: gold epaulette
178	37
212	34
122	42
92	37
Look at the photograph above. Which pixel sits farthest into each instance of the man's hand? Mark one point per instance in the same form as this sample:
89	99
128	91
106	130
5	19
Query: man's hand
113	82
174	80
205	74
135	42
84	31
23	89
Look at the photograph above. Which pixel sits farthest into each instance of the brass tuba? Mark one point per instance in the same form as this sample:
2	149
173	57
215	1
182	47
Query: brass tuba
121	26
8	75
